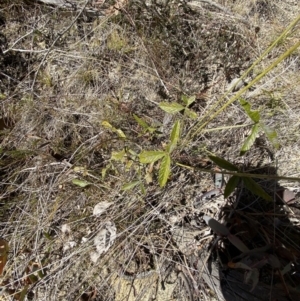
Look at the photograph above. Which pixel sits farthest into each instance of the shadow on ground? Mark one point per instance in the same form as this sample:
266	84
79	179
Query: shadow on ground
270	270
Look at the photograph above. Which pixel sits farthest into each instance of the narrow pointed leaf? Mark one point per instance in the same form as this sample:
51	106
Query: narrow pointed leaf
151	156
21	295
216	226
256	189
172	107
175	135
223	163
120	133
254	115
250	139
130	185
107	125
237	243
190	113
141	122
164	170
271	134
231	185
143	190
80	183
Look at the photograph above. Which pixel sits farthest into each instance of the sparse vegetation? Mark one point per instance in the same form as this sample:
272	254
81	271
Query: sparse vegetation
116	118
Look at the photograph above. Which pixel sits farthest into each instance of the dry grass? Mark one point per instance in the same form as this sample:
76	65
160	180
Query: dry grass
56	92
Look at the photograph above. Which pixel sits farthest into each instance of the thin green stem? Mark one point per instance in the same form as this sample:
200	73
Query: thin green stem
210	115
242	174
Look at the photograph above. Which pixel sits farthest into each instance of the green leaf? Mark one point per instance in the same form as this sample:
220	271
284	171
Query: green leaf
33	279
80	183
118	156
151	156
231	185
216	226
175	135
143	190
130	185
256	189
47	235
141	122
164	170
271	134
151	129
191	114
41	273
172	107
120	133
237	243
250	139
254	115
188	100
107	124
223	163
21	295
104	171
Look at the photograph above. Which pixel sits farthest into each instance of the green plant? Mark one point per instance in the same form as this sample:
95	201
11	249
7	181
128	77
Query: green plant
175	107
147	157
235	179
256	127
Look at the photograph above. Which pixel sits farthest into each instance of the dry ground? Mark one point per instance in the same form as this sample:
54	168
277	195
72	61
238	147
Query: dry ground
71	81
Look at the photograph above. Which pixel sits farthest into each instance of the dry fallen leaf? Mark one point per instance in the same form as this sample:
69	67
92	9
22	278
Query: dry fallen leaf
104	240
4	248
101	207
